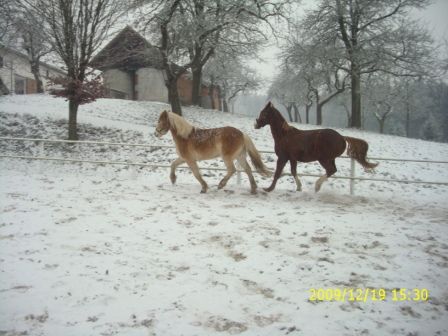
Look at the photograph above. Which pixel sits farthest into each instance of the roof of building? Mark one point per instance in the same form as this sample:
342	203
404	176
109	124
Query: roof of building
128	51
22	55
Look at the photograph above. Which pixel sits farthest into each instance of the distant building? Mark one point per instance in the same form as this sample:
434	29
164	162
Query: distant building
132	69
16	75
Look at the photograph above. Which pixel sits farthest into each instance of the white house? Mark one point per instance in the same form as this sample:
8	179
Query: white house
16	75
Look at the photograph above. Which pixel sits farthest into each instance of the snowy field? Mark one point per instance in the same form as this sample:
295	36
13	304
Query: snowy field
111	250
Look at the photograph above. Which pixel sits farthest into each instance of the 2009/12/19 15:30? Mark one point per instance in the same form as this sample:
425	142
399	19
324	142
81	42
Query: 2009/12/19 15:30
366	294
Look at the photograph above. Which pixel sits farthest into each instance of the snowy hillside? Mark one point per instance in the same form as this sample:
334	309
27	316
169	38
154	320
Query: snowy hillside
111	250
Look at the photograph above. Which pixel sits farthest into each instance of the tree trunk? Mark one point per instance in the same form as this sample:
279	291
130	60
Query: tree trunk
211	90
173	96
36	73
408	120
381	122
72	120
288	109
297	117
307	113
218	93
408	111
232	106
319	114
356	96
225	105
196	89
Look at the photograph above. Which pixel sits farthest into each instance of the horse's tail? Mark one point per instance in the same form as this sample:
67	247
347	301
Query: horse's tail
357	149
256	157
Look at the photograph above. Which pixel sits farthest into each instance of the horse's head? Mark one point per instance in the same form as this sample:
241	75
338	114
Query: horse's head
163	125
263	118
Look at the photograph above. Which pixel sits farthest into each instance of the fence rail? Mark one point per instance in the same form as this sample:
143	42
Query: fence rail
127	144
352	176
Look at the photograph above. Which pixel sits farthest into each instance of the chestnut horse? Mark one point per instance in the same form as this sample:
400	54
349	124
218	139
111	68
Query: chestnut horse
195	144
323	145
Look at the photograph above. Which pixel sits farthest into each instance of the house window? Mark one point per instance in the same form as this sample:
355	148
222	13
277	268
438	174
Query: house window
1	62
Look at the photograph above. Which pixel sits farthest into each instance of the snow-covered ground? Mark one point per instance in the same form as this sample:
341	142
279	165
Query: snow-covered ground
111	250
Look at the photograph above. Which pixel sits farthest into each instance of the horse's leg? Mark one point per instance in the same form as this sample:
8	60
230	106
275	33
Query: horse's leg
330	169
293	164
230	171
278	171
195	169
243	163
174	165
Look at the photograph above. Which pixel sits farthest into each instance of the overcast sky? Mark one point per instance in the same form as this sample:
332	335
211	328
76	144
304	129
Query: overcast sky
435	17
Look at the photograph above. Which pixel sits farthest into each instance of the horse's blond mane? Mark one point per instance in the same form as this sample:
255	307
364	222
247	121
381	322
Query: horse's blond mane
183	127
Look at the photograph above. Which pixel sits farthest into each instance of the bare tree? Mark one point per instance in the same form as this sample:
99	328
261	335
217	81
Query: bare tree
7	13
76	29
288	90
318	65
8	10
167	46
190	31
34	42
376	36
344	102
229	24
323	94
381	98
445	55
24	32
161	19
233	77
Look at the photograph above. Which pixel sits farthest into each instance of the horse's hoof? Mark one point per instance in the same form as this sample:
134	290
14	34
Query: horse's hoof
253	192
268	189
203	191
173	179
220	186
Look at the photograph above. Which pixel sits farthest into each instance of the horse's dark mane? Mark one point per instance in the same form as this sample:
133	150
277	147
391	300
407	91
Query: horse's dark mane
277	113
280	126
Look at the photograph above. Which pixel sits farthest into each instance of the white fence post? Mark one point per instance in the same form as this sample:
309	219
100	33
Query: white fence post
133	168
41	153
352	176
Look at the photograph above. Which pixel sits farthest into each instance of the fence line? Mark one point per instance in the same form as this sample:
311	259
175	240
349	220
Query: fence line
127	144
126	163
122	144
352	176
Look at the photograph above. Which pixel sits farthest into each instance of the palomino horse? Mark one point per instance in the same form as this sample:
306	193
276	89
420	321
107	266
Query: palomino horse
195	144
323	145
